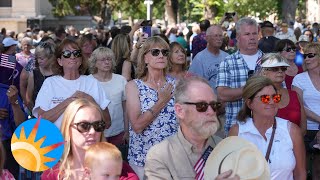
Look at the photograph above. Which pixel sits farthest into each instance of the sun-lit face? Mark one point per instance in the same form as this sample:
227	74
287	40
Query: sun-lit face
205	123
313	62
70	63
289	53
108	169
156	62
260	108
84	140
248	39
215	37
276	74
178	57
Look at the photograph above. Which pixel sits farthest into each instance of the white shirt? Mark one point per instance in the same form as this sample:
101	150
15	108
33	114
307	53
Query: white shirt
311	97
282	160
251	60
56	89
115	92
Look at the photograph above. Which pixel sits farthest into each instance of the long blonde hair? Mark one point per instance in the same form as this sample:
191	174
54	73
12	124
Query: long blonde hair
68	118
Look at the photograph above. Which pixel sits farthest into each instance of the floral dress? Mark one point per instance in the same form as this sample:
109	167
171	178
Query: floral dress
163	126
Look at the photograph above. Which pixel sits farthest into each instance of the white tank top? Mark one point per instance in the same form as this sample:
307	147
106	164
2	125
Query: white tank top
282	160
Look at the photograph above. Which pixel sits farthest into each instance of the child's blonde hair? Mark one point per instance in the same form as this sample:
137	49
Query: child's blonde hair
101	150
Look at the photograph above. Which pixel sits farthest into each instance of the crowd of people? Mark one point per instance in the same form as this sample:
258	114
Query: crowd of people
134	106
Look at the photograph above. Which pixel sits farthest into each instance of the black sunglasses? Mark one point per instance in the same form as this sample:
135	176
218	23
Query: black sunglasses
83	127
290	49
276	69
203	106
310	55
156	52
67	53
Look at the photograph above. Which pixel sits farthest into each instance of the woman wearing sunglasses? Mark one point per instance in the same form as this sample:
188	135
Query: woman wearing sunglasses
83	125
274	67
150	102
279	140
307	85
287	49
68	84
178	64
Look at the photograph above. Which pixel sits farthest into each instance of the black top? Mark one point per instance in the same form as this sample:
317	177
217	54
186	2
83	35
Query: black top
267	44
38	79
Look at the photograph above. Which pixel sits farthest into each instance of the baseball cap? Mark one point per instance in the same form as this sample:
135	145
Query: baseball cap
266	24
8	41
303	38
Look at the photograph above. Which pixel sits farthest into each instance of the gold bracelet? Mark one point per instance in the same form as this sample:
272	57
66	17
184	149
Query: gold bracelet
152	112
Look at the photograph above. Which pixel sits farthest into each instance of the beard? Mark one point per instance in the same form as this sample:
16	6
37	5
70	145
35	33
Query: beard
204	128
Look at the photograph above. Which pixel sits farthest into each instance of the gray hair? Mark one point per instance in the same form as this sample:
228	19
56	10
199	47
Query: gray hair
98	53
28	40
183	85
245	21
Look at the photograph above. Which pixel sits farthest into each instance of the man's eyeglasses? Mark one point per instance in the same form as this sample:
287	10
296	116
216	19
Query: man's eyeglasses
83	127
265	99
290	49
67	53
309	55
156	52
203	106
276	69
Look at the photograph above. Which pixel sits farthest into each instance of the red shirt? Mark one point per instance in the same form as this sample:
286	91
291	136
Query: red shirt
292	111
288	80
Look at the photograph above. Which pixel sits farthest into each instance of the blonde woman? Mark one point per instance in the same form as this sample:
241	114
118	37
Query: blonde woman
101	65
150	102
83	124
121	47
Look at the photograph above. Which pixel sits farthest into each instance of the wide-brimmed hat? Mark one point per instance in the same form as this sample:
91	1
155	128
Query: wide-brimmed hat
239	155
8	41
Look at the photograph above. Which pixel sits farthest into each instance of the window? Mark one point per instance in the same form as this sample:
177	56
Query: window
5	3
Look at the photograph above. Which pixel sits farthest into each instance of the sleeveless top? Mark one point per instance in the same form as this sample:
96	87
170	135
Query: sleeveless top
282	160
163	126
292	111
38	80
288	79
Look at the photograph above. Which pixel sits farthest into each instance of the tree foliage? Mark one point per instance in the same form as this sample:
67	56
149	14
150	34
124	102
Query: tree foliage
187	10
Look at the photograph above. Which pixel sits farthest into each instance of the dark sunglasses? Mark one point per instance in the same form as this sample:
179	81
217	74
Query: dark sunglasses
83	127
276	69
156	52
290	49
265	99
203	106
67	53
310	55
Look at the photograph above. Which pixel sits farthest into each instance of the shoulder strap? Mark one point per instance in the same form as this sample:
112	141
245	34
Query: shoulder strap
274	127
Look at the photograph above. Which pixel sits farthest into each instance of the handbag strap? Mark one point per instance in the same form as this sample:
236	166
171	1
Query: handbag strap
274	127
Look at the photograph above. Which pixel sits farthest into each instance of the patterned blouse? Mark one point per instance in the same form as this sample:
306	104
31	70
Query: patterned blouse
163	126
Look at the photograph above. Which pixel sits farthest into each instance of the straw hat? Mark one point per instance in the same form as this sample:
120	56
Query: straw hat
240	155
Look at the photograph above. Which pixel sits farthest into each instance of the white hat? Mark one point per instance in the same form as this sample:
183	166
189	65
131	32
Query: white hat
239	155
274	63
303	38
8	41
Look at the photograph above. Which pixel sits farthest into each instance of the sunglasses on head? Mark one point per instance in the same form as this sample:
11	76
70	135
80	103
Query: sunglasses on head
265	99
290	49
309	55
83	127
276	69
156	52
203	106
67	53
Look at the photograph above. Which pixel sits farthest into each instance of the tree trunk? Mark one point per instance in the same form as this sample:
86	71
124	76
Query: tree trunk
288	10
171	9
102	13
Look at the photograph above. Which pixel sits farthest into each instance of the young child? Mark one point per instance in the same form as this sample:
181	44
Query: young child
4	173
103	161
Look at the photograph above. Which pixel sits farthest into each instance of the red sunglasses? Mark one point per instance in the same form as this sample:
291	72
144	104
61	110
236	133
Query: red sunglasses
265	99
